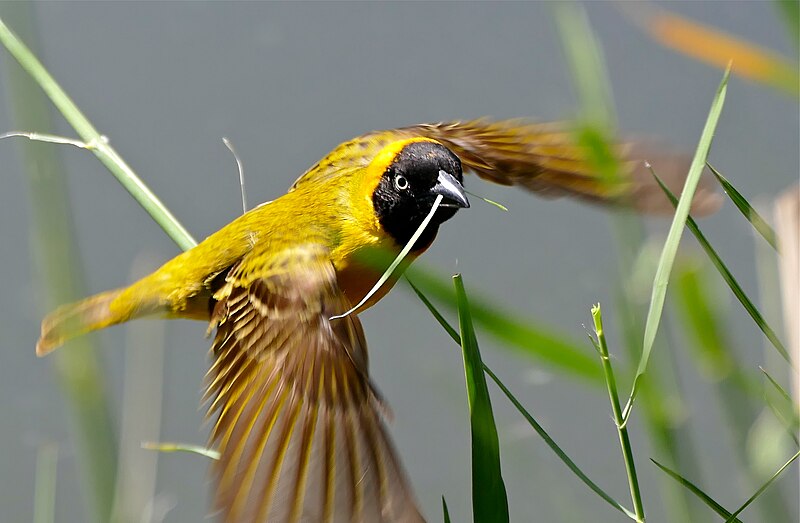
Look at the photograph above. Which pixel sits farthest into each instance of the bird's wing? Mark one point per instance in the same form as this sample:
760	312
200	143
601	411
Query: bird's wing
545	158
298	424
548	160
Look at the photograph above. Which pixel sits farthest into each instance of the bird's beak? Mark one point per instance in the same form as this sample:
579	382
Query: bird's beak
451	189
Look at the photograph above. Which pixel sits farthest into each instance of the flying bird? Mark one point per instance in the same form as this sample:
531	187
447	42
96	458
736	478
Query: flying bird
299	425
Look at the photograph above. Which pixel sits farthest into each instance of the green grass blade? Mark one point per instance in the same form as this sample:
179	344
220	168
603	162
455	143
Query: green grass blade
584	55
445	512
98	143
702	317
777	386
59	276
787	411
522	335
489	500
763	487
487	200
755	219
525	414
790	14
585	59
181	447
622	428
791	422
730	280
739	393
674	236
44	494
697	491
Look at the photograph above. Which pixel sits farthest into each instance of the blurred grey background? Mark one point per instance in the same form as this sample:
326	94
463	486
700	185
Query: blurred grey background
286	82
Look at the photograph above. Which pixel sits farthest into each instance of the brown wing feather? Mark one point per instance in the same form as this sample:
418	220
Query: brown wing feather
546	159
298	426
541	157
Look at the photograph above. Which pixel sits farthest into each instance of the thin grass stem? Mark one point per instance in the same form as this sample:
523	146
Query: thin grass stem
98	143
622	428
759	224
181	447
697	491
785	395
44	494
79	371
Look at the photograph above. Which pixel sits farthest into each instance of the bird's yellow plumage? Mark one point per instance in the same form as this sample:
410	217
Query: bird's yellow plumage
298	422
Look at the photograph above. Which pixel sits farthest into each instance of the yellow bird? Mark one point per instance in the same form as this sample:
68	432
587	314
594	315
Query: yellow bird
299	424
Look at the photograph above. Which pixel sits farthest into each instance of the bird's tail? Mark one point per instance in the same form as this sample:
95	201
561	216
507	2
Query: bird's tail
75	319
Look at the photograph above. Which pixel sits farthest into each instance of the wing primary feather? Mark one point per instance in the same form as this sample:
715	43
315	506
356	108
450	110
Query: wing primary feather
226	380
329	470
371	440
214	352
232	412
242	493
249	456
311	407
354	479
298	424
309	425
283	441
232	382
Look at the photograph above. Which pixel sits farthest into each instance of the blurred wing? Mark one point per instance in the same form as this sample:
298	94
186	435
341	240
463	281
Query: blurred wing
541	157
298	426
546	159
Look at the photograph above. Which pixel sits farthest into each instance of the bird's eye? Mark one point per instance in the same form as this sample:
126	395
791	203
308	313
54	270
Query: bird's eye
401	182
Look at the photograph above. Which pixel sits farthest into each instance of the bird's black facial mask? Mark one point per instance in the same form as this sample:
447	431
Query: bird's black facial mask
407	190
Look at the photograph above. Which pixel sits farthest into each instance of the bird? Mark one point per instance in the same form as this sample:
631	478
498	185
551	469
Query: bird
300	428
